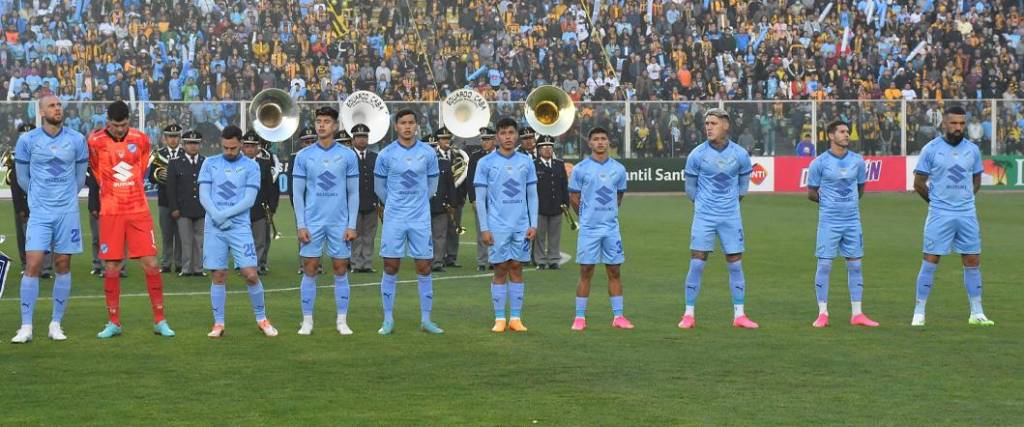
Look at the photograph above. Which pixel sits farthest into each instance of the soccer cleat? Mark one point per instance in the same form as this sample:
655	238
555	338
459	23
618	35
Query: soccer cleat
56	333
217	331
499	325
431	327
109	331
687	322
516	325
918	320
621	322
863	320
267	328
24	335
306	328
163	329
344	329
579	323
821	321
979	320
745	323
386	328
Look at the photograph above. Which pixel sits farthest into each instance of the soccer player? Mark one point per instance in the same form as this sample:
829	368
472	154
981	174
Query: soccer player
941	178
228	184
326	204
506	203
119	156
836	182
51	162
595	192
405	176
717	178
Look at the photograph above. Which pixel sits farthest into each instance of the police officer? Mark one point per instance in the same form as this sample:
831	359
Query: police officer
306	138
440	204
552	194
366	223
183	200
527	142
343	138
266	199
21	212
487	136
458	197
171	248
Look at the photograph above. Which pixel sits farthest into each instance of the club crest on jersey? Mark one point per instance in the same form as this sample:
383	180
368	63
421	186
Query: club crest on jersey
408	160
132	148
54	148
725	163
843	172
603	176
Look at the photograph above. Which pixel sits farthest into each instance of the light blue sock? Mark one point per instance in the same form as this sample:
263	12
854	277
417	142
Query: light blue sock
925	279
29	295
515	305
616	305
972	281
736	282
693	280
426	287
821	279
581	306
855	280
307	294
342	291
218	297
259	307
499	293
387	295
61	295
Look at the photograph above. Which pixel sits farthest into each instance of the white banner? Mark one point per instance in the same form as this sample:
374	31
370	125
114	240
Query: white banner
762	178
911	164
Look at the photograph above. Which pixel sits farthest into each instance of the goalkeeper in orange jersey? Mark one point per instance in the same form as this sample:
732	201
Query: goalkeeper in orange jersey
119	157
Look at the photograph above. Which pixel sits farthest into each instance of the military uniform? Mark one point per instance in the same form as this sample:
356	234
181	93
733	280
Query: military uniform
439	205
171	242
266	204
552	194
481	248
183	199
366	222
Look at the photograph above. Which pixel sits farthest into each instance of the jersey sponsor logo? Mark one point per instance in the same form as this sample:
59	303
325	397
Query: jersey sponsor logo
123	172
409	179
326	180
55	167
956	174
722	182
843	187
511	188
604	195
226	190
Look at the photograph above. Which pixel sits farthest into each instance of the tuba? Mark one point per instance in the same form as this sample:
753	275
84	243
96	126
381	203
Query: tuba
464	112
549	110
275	115
7	161
364	107
158	162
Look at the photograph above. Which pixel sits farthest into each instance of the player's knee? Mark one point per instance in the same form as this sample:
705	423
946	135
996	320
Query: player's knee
587	271
934	259
251	278
701	255
733	257
613	272
972	260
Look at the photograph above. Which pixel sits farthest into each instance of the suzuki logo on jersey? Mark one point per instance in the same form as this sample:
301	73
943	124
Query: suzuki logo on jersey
55	167
843	187
957	174
123	173
722	182
326	182
604	195
226	190
409	179
511	188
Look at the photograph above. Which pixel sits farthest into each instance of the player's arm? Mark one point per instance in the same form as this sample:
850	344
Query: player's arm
691	176
531	202
244	205
621	187
978	169
380	178
922	172
352	184
744	177
574	201
82	163
921	185
814	181
977	182
22	155
207	201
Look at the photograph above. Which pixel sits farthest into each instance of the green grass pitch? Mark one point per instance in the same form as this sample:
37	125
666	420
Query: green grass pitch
786	373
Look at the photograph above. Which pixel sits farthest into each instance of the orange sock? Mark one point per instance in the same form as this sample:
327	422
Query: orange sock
112	288
155	286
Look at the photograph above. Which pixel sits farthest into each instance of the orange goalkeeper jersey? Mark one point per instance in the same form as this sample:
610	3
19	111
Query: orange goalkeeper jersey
120	169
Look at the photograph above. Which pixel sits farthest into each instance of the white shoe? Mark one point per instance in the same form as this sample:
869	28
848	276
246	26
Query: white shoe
306	328
268	329
56	333
24	335
918	320
343	325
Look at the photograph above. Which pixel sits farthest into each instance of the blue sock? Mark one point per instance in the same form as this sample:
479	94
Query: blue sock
61	295
29	295
516	291
616	305
581	306
259	307
821	279
693	280
218	297
972	281
426	287
925	278
498	295
736	282
307	294
342	292
855	280
387	295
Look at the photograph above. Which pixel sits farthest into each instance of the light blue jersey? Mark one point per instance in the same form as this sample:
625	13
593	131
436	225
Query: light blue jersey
326	172
406	172
719	179
837	180
950	169
55	167
506	180
599	185
229	181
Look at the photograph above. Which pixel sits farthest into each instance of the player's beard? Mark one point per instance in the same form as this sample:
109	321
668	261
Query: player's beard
55	121
954	138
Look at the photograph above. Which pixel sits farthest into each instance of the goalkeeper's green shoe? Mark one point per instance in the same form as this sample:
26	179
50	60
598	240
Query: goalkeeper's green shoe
979	320
110	331
431	327
163	329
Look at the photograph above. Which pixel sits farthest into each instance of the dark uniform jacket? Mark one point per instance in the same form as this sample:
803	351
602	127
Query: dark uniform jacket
183	187
161	189
367	198
269	193
445	188
552	187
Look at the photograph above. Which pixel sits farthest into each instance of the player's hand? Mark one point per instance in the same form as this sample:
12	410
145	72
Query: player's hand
531	233
487	237
175	214
350	234
303	235
95	214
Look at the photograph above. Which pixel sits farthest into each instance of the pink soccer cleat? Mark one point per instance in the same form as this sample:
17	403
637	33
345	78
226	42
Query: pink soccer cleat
688	322
862	320
821	321
621	322
745	322
579	323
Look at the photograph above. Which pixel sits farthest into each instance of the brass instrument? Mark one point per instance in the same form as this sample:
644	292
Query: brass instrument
451	217
573	224
364	107
549	110
464	113
7	160
159	164
270	218
275	115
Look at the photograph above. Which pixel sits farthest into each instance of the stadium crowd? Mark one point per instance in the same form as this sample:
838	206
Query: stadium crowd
418	50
